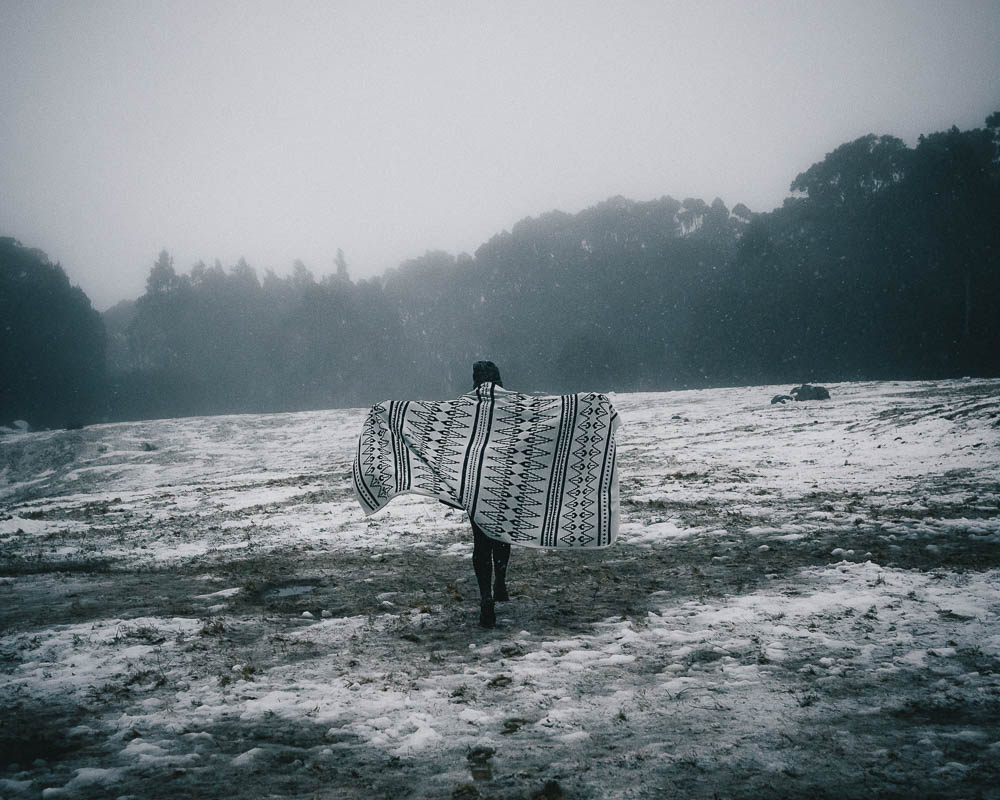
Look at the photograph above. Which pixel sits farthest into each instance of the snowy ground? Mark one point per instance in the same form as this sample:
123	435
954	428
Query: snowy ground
803	603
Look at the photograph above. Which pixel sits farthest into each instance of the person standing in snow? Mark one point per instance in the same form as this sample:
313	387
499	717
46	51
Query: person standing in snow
489	556
517	464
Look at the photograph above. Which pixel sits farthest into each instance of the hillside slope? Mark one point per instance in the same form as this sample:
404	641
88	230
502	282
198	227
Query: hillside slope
803	602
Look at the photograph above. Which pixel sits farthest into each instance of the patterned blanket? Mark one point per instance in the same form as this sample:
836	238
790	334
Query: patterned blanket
533	471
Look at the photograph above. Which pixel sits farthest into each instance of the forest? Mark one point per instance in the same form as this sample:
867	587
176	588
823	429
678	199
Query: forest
882	263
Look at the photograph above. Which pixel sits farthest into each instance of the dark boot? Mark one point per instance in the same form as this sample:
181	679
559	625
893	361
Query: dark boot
487	614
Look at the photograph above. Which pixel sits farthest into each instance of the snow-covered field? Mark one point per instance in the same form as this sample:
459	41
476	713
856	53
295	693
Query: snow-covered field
803	602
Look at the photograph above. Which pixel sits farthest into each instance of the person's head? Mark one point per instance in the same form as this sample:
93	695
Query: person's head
485	372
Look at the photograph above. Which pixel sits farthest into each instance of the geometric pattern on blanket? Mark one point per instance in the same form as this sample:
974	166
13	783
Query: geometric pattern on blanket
536	471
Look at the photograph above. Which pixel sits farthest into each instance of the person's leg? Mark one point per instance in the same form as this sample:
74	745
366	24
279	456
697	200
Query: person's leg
501	557
482	563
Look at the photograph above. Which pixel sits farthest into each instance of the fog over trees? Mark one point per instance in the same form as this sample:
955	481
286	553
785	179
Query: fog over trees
883	264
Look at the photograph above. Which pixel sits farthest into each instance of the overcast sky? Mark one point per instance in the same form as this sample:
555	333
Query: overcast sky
284	130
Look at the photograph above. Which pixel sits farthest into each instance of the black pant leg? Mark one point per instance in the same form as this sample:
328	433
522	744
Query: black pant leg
482	561
501	555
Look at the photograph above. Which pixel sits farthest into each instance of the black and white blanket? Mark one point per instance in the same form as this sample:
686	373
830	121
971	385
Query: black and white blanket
529	470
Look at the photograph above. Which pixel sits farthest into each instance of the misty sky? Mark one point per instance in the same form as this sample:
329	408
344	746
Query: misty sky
284	130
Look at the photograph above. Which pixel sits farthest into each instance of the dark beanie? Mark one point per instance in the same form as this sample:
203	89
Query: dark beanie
485	372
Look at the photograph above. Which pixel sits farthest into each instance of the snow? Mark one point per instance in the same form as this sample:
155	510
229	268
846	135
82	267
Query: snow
716	484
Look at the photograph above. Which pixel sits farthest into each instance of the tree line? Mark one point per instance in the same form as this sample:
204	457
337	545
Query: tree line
883	263
52	343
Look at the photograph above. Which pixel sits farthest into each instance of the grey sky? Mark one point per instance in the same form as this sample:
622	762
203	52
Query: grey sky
284	130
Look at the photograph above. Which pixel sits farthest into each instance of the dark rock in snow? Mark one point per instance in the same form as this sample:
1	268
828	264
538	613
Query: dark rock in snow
781	398
808	392
480	753
550	791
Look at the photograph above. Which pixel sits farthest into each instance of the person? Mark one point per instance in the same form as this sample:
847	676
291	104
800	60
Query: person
489	556
493	453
